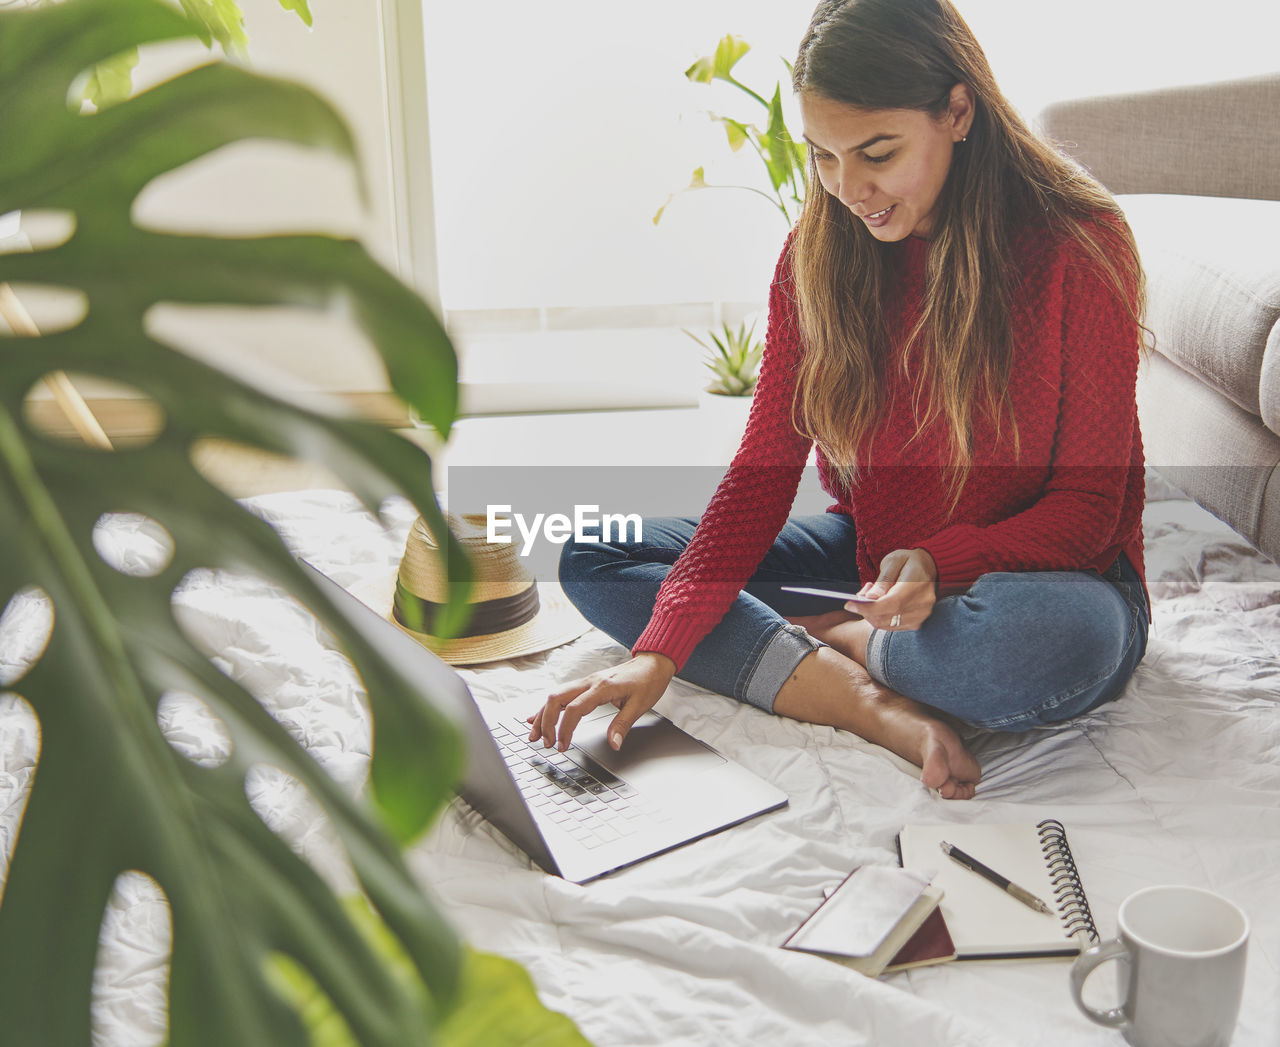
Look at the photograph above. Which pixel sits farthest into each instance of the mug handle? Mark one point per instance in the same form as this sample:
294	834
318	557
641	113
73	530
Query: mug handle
1086	963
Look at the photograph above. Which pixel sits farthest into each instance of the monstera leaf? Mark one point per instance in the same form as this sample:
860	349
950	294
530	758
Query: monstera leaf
110	794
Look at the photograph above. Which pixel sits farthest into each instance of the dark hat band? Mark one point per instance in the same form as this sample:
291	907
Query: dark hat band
487	616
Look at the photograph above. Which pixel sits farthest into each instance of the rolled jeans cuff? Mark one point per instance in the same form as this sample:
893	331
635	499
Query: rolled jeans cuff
775	663
877	656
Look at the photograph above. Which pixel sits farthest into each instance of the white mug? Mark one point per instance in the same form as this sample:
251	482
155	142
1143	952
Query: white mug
1181	969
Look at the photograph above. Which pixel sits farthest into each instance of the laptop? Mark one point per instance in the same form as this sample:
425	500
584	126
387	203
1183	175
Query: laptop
590	810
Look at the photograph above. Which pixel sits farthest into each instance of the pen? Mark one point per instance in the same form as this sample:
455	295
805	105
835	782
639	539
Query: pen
1008	886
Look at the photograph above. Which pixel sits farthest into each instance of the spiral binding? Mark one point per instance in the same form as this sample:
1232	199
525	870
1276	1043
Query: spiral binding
1068	890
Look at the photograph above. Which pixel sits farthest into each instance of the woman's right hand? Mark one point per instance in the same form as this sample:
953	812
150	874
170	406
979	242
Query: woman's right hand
634	687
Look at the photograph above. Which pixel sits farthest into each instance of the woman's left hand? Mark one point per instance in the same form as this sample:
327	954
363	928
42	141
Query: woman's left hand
904	593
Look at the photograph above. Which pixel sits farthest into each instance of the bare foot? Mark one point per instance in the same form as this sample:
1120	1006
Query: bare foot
828	688
908	729
946	764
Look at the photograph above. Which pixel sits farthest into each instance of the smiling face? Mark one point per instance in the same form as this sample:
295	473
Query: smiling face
887	166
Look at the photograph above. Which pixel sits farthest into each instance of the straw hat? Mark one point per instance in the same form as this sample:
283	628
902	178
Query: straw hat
511	614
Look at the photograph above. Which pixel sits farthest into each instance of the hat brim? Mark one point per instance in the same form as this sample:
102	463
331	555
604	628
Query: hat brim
557	622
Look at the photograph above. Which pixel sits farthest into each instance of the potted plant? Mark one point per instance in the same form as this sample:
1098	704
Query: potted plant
733	358
783	159
734	354
258	938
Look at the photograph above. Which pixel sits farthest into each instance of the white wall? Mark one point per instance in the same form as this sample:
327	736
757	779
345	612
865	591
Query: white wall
559	127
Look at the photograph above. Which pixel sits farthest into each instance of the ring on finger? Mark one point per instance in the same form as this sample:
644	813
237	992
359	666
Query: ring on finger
895	621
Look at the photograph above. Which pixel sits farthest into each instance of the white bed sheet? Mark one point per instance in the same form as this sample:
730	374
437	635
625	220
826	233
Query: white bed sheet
1178	781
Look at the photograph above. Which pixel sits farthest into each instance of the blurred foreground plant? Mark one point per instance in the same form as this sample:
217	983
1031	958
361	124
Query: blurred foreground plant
110	795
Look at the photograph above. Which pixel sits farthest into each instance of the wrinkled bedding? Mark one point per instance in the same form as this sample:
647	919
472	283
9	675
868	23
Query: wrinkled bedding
1178	781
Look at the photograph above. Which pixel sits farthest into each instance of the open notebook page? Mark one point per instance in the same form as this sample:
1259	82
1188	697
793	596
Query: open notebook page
984	921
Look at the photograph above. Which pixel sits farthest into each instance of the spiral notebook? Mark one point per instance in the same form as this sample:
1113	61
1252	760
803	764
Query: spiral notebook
985	922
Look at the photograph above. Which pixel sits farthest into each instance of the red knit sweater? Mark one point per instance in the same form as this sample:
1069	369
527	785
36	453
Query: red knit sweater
1073	501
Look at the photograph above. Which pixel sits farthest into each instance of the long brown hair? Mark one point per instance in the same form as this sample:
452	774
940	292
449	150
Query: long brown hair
909	54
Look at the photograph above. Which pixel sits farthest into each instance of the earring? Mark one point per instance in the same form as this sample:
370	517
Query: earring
965	138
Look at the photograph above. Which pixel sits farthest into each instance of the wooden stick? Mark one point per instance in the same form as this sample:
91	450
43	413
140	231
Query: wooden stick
66	394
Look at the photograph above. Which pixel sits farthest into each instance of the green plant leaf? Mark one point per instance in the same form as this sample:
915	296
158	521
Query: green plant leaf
738	132
800	158
216	20
719	66
109	793
497	1007
112	81
703	70
696	181
300	7
729	51
779	157
220	20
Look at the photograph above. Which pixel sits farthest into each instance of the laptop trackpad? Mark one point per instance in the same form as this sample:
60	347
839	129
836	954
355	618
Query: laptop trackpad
655	750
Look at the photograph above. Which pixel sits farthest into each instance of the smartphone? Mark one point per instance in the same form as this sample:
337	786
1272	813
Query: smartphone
831	593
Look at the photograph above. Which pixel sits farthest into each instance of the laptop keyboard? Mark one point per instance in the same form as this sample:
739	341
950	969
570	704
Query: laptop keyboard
585	799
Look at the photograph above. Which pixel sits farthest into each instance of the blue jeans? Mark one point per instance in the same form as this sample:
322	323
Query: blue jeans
1014	651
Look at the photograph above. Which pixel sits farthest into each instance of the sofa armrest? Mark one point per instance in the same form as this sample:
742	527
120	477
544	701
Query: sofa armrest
1203	140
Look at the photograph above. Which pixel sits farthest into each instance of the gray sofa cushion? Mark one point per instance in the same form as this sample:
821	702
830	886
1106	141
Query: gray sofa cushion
1214	139
1207	445
1213	282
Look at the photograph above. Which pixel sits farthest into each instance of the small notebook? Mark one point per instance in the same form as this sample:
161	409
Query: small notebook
985	922
929	945
870	919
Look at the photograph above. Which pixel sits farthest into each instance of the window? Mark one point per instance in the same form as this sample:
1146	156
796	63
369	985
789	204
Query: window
558	128
515	153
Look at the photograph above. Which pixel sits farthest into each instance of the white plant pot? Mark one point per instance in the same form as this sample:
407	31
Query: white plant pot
722	421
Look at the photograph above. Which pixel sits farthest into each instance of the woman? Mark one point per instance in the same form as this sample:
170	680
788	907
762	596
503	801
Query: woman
955	322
